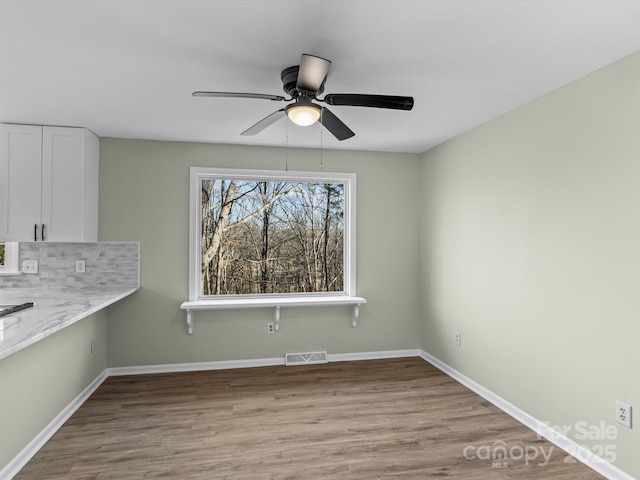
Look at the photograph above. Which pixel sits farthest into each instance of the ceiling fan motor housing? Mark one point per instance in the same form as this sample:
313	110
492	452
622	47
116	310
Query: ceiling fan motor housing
289	78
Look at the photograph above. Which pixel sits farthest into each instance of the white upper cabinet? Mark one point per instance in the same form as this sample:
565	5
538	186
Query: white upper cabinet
20	182
48	184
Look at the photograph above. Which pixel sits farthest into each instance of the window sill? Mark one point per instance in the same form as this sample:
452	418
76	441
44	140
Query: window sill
274	302
9	274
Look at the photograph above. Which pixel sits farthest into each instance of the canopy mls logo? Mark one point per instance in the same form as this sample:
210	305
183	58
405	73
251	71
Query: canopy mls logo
600	447
500	454
601	438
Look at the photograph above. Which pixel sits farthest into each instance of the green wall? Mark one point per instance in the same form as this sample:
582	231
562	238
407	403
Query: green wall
530	247
144	196
41	380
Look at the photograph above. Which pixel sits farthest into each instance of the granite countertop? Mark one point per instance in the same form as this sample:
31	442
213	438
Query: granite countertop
53	309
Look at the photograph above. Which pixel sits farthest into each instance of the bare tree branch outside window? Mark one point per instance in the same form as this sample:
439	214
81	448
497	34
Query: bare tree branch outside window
271	237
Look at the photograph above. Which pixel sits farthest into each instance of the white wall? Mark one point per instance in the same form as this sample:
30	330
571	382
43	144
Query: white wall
144	196
530	248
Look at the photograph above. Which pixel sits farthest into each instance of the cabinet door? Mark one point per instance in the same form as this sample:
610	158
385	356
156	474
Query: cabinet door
20	182
63	183
92	167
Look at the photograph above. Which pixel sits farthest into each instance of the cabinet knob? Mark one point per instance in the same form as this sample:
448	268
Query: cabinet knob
42	232
35	232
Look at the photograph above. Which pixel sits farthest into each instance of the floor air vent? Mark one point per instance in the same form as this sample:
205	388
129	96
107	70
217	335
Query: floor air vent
306	358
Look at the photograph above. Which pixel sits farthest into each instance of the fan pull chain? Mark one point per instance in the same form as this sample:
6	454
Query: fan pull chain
321	160
286	146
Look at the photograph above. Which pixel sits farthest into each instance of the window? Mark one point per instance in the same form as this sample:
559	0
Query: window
271	234
9	258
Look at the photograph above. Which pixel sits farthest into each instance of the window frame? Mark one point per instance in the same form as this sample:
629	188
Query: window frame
197	174
10	267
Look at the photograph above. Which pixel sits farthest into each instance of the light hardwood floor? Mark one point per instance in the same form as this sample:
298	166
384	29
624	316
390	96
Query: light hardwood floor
378	419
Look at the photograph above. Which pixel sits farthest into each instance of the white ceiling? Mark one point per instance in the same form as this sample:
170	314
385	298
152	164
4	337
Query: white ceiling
128	68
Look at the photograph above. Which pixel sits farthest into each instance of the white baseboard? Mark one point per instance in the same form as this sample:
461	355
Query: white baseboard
20	460
251	363
583	454
351	357
195	367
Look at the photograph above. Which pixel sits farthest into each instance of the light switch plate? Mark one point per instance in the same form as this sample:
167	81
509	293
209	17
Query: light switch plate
80	266
29	266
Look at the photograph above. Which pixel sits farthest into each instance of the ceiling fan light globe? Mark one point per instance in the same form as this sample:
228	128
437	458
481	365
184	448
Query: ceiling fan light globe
303	115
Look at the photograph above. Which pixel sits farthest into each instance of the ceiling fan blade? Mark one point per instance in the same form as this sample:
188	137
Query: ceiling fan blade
332	123
312	73
363	100
264	123
277	98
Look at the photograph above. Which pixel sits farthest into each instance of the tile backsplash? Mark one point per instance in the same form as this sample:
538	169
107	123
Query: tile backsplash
107	264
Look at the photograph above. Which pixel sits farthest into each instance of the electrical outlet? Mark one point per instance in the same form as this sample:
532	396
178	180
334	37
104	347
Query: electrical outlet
623	413
29	266
458	338
80	266
271	328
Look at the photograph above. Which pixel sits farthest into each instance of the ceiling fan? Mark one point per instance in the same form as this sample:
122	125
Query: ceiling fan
303	83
